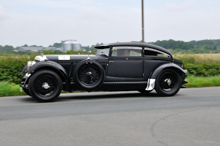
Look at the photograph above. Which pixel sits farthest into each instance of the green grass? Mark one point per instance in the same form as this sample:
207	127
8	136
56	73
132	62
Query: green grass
198	58
194	81
11	89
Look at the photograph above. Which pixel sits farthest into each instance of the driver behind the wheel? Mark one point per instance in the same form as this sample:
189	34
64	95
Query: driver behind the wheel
126	53
123	52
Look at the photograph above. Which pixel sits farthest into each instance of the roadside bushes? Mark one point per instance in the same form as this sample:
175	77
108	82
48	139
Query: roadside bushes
11	67
203	70
203	65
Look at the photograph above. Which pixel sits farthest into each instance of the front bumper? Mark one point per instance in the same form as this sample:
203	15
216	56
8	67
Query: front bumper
24	81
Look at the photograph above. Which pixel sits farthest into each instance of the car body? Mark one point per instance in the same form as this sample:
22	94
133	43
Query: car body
116	67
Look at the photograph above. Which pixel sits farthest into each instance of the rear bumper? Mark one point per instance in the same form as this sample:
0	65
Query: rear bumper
184	84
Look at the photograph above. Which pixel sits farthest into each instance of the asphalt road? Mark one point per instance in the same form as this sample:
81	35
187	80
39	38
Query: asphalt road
191	118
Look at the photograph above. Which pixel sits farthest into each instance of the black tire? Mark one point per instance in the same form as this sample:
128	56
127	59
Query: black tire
168	82
89	75
46	93
26	91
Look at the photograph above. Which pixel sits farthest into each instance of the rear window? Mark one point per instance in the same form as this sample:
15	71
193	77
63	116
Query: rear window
153	52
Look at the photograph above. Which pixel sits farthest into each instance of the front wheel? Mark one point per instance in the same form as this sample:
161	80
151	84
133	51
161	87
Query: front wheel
45	85
168	83
26	91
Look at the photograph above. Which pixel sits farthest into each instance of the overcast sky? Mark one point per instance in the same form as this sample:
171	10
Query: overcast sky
44	22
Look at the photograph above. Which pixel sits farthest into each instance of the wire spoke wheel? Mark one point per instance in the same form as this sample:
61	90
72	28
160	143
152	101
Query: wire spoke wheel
168	83
89	75
45	85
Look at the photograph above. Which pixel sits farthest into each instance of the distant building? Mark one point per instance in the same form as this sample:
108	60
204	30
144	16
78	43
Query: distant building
71	45
35	49
66	46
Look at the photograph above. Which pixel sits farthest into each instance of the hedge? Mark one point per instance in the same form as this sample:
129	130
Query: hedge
203	70
11	67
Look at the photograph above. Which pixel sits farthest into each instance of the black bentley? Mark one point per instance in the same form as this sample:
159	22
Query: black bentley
116	67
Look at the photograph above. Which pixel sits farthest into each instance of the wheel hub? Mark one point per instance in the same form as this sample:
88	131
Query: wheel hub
168	81
45	85
89	73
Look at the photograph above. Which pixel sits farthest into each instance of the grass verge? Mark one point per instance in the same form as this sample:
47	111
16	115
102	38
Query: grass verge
194	81
11	89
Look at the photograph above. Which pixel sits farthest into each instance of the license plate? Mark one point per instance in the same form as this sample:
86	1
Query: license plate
20	89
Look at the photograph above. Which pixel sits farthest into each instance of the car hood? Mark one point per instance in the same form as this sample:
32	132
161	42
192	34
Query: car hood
70	57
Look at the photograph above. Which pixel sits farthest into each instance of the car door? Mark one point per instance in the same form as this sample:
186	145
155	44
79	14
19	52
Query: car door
126	62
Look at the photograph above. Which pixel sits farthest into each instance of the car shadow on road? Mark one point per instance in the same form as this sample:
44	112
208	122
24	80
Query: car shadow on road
108	95
102	95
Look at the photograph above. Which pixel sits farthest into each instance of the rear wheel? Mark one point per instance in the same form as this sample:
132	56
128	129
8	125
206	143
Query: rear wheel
45	85
168	83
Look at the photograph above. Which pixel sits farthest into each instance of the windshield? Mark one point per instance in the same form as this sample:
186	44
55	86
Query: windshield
102	51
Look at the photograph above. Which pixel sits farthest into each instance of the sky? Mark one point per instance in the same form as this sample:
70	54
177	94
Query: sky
45	22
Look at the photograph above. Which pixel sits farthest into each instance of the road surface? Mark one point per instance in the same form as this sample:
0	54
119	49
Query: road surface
191	118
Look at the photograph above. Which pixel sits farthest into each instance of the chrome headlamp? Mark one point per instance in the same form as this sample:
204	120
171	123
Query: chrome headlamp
36	59
30	64
40	58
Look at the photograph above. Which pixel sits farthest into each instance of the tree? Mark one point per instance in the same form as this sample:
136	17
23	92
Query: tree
8	48
57	45
25	45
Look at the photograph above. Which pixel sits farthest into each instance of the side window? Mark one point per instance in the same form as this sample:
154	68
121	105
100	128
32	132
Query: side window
126	51
153	52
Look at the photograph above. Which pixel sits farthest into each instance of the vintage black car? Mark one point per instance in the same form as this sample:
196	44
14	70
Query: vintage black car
116	67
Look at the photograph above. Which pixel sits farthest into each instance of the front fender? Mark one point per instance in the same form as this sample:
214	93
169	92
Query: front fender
164	66
49	65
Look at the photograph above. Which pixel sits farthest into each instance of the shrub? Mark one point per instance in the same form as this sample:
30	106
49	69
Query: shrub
203	70
11	67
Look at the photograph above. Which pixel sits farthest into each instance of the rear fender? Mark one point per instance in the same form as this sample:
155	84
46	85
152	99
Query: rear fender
152	78
165	66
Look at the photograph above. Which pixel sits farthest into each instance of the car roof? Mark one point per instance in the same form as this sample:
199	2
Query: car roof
136	44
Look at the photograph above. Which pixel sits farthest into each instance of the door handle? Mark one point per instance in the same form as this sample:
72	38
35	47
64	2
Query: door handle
111	61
